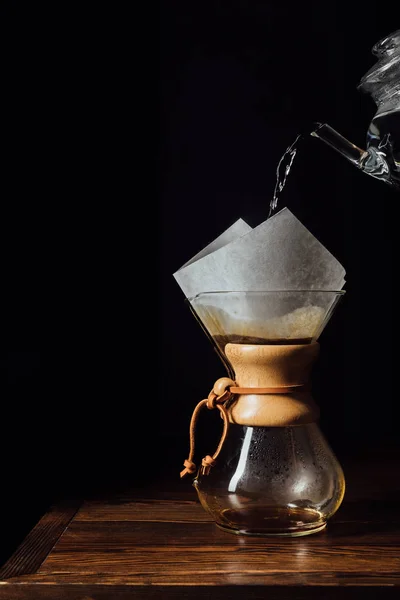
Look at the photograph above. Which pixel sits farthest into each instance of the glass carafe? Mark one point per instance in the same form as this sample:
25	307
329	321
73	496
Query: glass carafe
274	473
273	480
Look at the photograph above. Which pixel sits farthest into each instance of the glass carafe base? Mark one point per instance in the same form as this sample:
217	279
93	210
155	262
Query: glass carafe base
271	521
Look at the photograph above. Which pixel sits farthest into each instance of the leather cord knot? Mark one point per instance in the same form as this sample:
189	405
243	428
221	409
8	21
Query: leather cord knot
211	400
214	399
207	462
190	467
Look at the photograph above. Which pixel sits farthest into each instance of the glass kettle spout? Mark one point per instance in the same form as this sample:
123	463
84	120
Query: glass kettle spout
373	161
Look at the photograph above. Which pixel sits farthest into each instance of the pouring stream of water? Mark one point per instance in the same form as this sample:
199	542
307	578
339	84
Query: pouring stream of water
282	172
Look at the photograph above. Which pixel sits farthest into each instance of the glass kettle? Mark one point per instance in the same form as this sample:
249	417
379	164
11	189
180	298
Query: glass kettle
381	159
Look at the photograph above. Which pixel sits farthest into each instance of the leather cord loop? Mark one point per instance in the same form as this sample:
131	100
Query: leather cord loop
224	389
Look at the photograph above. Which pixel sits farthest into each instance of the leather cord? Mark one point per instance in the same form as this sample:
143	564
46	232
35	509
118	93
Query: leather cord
283	389
224	389
213	401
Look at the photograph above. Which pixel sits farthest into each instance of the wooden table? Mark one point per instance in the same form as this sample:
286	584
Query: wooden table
159	543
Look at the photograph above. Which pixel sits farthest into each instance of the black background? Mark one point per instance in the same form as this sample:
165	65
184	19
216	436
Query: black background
131	142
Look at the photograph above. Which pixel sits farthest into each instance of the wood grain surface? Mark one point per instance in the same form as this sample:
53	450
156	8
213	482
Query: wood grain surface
161	544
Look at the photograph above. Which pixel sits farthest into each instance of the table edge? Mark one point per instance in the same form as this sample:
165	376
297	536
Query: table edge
40	540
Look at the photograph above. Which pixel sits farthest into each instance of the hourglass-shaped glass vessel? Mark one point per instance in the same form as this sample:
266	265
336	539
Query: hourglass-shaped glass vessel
275	473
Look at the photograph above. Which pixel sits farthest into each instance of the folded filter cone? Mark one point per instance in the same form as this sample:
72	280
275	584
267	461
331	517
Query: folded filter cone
274	284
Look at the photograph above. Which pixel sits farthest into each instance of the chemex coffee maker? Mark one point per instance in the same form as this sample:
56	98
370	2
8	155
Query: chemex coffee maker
272	472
